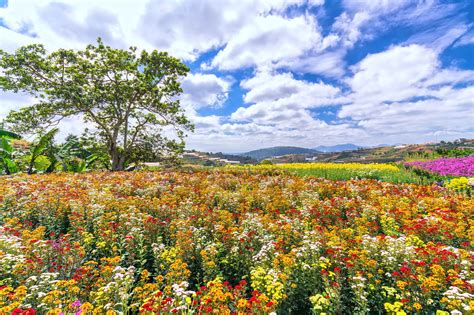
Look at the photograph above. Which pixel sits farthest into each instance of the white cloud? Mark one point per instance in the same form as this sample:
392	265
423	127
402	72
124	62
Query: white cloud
267	86
201	90
376	6
73	24
454	113
189	28
349	28
12	101
268	39
404	91
281	99
466	39
368	19
440	38
329	64
393	75
70	25
315	3
11	40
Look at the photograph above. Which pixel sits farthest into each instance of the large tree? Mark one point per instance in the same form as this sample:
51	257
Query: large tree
129	97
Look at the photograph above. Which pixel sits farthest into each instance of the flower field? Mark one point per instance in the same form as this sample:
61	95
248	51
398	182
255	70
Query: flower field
447	166
334	166
345	171
232	242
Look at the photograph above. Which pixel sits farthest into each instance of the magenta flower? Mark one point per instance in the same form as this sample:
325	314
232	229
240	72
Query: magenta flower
76	303
447	166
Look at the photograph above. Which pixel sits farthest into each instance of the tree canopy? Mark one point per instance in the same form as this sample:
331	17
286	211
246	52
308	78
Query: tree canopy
130	98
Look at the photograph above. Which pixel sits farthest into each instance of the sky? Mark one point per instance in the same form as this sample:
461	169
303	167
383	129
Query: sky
283	72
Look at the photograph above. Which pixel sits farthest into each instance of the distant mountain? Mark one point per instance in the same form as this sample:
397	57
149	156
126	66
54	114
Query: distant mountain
338	148
266	153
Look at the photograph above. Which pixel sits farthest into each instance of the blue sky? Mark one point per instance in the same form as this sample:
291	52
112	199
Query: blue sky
284	72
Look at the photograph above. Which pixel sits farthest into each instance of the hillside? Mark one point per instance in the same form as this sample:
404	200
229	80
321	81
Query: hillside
210	159
272	152
382	154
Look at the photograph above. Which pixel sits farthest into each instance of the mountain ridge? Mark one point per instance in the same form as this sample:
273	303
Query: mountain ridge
265	153
338	147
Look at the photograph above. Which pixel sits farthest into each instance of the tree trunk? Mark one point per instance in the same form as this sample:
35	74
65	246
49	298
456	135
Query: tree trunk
118	160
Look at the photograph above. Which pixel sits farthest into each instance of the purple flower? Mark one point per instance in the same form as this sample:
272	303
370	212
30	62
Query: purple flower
76	303
447	166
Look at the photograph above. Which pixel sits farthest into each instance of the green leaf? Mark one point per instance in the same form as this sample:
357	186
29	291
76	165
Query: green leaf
43	143
9	134
12	167
5	147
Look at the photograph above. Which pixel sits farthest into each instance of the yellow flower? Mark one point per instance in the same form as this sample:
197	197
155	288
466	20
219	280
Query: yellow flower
401	284
417	306
54	311
242	303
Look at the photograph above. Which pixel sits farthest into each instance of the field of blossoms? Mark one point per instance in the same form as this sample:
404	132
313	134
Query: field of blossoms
463	166
344	171
232	242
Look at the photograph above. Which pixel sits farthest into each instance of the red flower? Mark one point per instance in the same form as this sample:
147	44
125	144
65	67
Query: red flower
147	307
405	269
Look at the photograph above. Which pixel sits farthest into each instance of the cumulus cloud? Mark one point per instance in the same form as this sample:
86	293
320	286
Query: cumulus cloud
279	98
83	29
393	75
405	91
189	28
202	90
268	39
73	24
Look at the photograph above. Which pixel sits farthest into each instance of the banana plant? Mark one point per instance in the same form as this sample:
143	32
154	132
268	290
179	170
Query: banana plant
71	157
6	151
8	134
6	156
39	148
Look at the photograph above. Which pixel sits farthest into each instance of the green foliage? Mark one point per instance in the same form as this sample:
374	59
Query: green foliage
71	156
454	152
39	148
128	96
7	164
8	134
43	156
